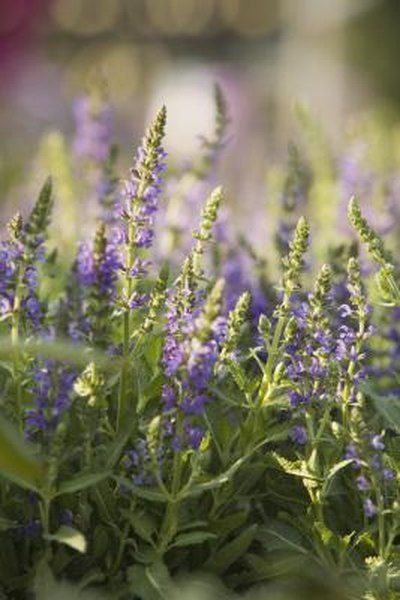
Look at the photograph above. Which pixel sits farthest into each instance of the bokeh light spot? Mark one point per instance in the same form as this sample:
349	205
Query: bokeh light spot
180	16
86	16
250	17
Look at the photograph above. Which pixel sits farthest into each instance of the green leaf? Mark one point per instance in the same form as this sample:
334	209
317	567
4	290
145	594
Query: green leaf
334	471
160	579
151	494
19	461
143	525
388	407
192	524
280	536
223	558
291	467
193	538
47	587
60	350
6	524
80	482
70	537
227	524
273	565
101	541
149	389
140	585
116	449
198	488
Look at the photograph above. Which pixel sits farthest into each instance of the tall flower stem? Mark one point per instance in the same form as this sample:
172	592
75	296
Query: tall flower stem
293	264
169	525
141	194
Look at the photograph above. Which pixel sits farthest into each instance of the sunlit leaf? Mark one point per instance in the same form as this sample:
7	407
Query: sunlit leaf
19	461
70	537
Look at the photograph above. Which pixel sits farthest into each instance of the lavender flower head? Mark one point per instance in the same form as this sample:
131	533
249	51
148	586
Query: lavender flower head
142	190
194	335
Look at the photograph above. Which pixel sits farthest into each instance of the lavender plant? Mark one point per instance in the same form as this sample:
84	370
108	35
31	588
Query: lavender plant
161	422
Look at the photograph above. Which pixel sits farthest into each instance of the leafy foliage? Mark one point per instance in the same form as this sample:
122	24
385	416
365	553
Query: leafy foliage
169	422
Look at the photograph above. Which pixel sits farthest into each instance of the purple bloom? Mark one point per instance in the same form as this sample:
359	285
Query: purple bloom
362	483
96	271
140	267
52	391
370	509
194	436
33	309
137	300
376	462
85	265
194	405
173	355
138	210
388	474
220	329
352	453
5	306
201	361
301	312
168	397
296	399
377	442
137	463
298	435
344	310
340	350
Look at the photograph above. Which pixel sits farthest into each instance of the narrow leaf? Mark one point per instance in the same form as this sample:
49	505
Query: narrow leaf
221	560
195	537
199	488
151	494
81	482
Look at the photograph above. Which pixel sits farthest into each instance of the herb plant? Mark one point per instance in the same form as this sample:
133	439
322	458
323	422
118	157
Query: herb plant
219	415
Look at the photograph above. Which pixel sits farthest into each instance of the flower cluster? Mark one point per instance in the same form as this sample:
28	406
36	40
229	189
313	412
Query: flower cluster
51	398
142	190
194	333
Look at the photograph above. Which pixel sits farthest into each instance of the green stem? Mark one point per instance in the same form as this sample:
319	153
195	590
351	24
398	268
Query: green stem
169	525
381	526
15	326
121	408
45	519
121	547
350	374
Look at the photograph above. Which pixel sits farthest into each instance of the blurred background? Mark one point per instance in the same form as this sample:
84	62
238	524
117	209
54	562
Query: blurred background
338	56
